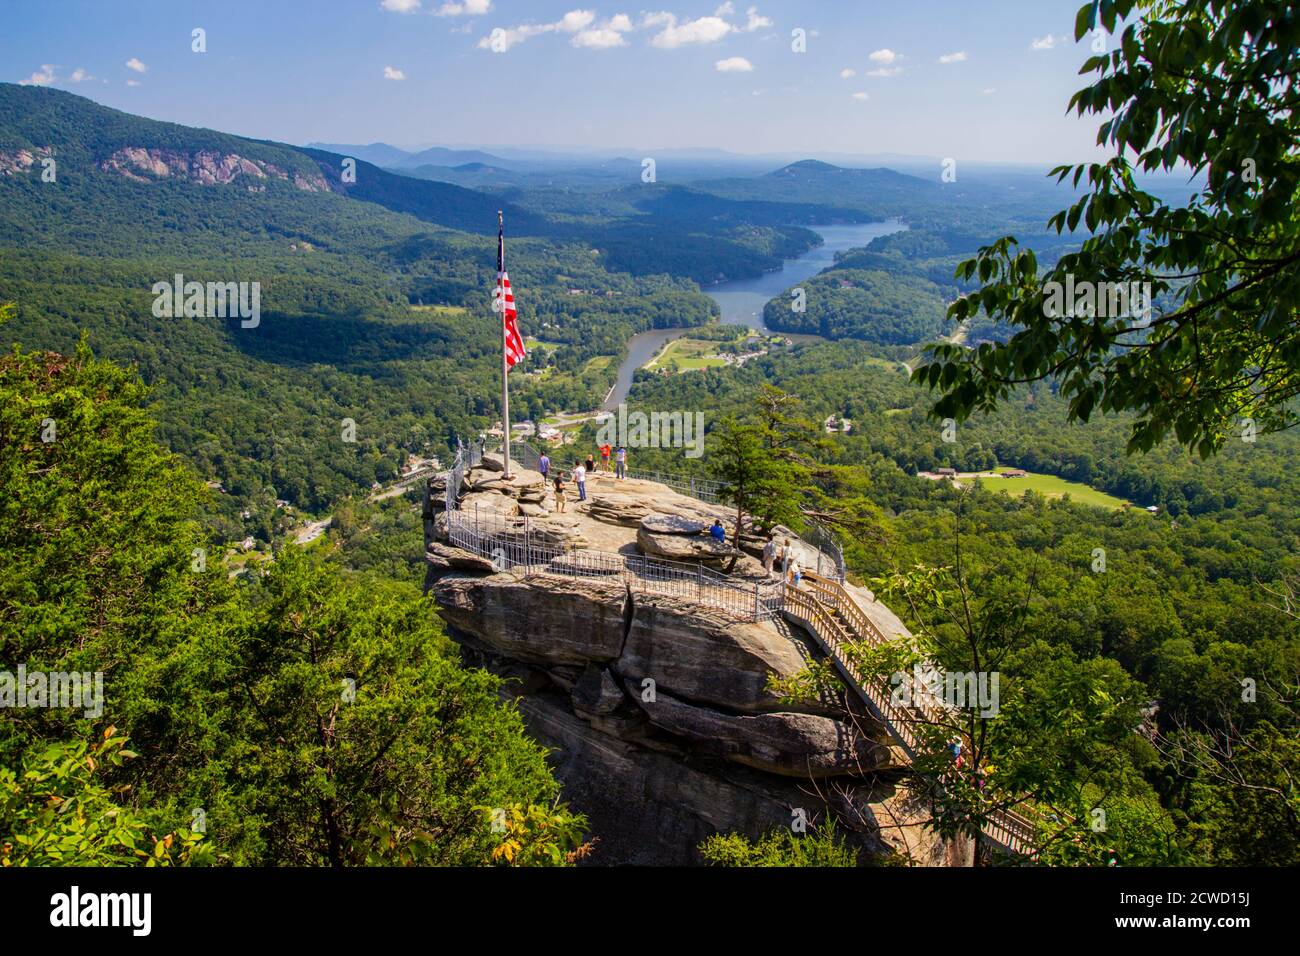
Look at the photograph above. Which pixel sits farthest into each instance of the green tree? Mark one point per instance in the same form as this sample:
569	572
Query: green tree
756	481
314	716
56	810
1208	86
345	732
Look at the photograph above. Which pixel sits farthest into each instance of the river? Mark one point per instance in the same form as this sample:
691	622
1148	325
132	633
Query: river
741	302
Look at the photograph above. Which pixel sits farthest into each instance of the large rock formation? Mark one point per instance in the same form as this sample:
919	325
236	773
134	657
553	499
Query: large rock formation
208	167
659	710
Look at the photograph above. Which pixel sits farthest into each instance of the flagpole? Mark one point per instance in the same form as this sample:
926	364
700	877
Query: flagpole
505	366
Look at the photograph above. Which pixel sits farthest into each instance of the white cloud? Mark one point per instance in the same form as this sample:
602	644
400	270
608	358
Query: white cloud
755	20
575	21
400	6
1043	43
607	36
958	57
473	8
132	82
42	77
79	75
884	71
134	64
669	32
675	34
601	38
847	72
734	64
392	73
989	90
884	56
861	96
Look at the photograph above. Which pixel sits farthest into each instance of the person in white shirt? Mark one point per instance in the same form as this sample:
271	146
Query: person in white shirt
769	553
580	479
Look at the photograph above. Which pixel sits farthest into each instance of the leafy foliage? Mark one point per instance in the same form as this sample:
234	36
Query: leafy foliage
314	716
780	847
55	810
1208	86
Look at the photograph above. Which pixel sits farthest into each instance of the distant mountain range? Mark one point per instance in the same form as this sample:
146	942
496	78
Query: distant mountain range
381	154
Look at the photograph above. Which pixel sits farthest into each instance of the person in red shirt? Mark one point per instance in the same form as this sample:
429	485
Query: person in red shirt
604	456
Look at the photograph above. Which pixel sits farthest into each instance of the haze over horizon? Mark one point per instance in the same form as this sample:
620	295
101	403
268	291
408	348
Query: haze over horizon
875	79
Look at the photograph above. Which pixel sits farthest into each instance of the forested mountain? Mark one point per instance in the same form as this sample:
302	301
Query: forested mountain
349	274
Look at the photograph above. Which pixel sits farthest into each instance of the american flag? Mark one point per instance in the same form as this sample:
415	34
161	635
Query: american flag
503	301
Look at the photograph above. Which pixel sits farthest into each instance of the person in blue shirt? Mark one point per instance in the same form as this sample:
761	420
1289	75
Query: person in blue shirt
544	466
719	532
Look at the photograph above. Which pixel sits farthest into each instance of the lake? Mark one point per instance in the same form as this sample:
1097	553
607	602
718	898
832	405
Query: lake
742	301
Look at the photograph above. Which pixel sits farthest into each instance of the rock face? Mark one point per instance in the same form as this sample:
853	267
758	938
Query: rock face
684	547
14	161
564	622
659	710
791	744
207	167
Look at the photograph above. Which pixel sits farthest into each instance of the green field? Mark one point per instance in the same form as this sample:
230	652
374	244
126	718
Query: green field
1053	487
689	354
440	309
534	345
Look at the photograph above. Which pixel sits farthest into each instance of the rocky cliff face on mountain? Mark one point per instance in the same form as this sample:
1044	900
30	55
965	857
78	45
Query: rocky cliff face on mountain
14	161
659	711
207	167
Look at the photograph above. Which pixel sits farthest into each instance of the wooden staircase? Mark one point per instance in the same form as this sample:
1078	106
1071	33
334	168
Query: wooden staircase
834	618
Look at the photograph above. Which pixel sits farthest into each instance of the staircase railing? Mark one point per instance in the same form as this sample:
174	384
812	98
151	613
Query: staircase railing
511	543
1007	828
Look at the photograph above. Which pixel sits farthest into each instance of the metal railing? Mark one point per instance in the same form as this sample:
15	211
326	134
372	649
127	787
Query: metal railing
705	489
1007	828
830	555
824	606
511	543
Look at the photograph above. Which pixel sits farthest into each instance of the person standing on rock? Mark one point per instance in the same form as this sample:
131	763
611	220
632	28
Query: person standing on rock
604	457
559	493
785	559
580	479
769	554
620	461
796	574
544	465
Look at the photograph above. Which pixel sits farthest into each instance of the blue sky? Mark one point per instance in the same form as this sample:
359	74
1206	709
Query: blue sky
977	81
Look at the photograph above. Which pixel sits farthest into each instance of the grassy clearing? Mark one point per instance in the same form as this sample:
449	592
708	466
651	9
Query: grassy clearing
441	309
689	354
1053	487
535	345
